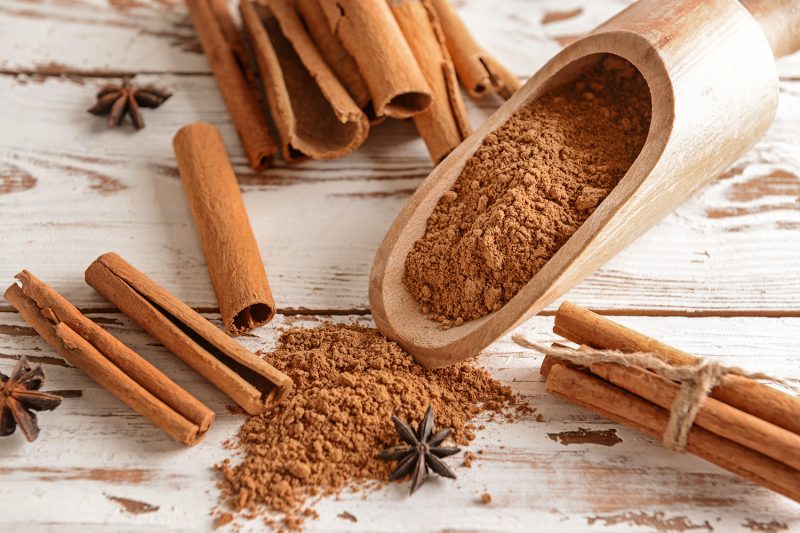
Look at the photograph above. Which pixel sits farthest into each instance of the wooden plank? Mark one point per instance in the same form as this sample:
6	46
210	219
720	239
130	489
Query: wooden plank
98	37
89	26
522	33
74	190
93	449
70	190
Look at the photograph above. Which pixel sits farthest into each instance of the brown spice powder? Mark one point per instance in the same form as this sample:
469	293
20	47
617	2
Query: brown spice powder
526	190
348	380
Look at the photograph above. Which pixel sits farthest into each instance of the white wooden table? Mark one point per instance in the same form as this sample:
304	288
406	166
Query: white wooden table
720	277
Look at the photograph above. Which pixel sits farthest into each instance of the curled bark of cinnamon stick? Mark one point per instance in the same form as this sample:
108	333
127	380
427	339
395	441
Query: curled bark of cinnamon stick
337	58
228	61
480	73
445	124
369	33
110	363
234	262
248	380
584	327
630	410
715	416
233	38
313	113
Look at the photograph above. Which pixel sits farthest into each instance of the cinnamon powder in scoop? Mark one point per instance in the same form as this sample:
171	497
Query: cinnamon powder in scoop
526	190
348	382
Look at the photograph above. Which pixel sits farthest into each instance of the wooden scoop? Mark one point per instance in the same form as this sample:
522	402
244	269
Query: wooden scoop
714	89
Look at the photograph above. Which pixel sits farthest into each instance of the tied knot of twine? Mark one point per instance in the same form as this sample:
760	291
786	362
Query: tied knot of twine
696	384
696	380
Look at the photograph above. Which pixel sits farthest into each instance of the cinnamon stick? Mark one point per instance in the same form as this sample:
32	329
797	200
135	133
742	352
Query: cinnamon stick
584	327
248	380
632	411
102	357
229	63
369	33
445	124
334	53
715	416
233	38
479	72
234	262
312	111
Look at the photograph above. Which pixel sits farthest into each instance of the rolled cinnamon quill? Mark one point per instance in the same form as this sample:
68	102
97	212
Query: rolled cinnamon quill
234	262
369	33
233	38
480	73
337	58
248	380
228	60
314	114
102	357
713	415
630	410
445	123
585	327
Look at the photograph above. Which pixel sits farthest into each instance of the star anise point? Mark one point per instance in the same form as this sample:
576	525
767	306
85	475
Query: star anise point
421	452
116	101
20	396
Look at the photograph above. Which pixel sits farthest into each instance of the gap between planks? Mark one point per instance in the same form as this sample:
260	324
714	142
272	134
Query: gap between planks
67	72
215	310
363	311
57	72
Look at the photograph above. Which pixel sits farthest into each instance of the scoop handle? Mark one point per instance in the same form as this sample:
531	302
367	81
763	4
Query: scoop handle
780	21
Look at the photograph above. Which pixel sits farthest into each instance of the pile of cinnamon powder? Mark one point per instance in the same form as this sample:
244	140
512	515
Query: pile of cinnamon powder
526	190
348	381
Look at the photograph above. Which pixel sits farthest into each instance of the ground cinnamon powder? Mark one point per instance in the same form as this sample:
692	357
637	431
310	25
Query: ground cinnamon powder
526	190
349	381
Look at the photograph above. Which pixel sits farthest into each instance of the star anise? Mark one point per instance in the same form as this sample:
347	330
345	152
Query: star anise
20	396
118	100
422	451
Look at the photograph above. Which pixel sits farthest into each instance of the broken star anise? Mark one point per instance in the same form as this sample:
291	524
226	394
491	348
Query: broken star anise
20	396
118	100
421	452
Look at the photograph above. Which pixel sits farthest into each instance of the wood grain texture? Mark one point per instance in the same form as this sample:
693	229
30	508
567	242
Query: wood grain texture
71	190
94	446
319	223
739	228
696	102
511	30
780	21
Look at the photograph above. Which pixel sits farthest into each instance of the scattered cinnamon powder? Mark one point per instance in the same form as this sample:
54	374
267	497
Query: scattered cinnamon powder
349	381
468	458
223	520
526	190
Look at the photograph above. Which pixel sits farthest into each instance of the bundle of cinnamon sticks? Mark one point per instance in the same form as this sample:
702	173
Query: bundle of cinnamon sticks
744	425
331	69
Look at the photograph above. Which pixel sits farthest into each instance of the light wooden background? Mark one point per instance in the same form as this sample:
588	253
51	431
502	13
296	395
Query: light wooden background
720	277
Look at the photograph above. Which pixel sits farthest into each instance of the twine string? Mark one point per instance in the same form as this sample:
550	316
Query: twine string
696	380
